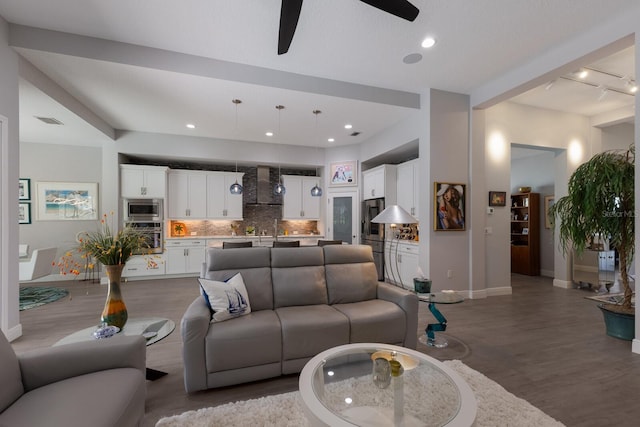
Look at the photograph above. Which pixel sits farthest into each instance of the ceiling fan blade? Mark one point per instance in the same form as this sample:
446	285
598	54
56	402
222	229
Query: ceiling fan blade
289	14
400	8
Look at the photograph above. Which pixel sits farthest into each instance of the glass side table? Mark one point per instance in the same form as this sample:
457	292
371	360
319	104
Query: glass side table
444	297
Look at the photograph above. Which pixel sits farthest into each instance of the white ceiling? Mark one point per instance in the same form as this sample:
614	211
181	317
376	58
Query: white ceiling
342	40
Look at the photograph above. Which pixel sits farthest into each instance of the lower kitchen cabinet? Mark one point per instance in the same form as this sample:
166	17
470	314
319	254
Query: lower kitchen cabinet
401	263
144	265
184	256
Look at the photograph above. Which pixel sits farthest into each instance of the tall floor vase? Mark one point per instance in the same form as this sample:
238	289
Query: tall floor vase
115	311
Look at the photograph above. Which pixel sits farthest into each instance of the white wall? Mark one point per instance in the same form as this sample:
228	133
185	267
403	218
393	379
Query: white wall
618	137
508	123
60	163
9	154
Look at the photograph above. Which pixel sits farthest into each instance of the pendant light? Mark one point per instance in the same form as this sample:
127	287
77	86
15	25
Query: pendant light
316	191
236	188
279	189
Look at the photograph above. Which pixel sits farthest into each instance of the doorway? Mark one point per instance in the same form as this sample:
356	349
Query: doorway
342	216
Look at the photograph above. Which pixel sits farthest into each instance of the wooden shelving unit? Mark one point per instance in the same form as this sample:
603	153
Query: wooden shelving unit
525	233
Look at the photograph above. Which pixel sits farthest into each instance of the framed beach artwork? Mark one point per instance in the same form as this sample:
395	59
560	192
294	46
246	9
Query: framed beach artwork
548	202
67	201
343	174
24	213
448	206
24	189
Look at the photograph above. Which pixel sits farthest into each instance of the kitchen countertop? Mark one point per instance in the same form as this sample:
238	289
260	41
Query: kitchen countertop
280	236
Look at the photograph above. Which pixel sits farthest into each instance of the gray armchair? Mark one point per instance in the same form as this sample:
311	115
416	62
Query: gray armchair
93	383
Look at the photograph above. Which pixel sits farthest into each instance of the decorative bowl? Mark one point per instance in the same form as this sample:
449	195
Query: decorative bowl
524	189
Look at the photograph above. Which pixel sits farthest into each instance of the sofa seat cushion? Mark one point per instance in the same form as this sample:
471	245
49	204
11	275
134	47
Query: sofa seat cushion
311	329
250	340
101	399
374	321
11	386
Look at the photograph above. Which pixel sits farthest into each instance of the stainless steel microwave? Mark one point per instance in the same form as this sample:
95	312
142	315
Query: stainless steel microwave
143	209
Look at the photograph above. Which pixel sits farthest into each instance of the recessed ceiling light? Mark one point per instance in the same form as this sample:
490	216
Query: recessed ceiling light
269	133
633	89
348	126
191	126
331	140
583	73
428	42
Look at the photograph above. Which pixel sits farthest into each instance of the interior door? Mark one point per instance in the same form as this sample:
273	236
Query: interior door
342	216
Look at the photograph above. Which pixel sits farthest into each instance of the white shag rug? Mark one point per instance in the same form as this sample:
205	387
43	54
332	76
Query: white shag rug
496	408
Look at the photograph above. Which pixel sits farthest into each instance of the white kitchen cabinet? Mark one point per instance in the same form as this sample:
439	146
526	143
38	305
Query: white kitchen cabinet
187	194
407	186
380	182
144	265
298	203
184	256
143	182
221	204
406	268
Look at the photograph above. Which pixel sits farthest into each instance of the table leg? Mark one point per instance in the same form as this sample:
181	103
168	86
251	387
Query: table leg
432	328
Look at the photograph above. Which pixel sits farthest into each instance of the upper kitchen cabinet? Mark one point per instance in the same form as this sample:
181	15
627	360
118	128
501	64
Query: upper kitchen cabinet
380	182
221	204
187	194
143	182
407	186
298	203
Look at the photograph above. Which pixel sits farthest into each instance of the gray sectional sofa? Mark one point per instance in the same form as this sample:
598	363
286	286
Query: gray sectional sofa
303	301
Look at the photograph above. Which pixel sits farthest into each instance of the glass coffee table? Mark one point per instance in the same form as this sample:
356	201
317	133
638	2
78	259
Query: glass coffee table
444	297
372	384
153	329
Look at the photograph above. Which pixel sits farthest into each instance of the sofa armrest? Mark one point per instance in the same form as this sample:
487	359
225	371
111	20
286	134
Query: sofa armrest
407	301
193	328
51	364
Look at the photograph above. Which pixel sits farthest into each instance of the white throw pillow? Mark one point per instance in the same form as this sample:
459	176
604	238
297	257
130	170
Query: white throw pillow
227	299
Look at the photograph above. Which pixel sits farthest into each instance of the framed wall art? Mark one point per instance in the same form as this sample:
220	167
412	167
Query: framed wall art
548	202
24	189
497	198
343	174
59	201
24	213
448	206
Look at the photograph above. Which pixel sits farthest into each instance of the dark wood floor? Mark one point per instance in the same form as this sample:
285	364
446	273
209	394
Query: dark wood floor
544	344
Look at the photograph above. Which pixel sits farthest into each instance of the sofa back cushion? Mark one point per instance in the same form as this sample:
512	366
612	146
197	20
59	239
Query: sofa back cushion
252	263
350	273
10	376
298	276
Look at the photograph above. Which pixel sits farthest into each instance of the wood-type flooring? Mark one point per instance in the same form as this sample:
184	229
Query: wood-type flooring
546	345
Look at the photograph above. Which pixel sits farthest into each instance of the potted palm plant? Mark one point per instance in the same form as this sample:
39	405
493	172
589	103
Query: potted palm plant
600	202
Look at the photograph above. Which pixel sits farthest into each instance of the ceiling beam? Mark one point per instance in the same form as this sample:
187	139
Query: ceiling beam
142	56
41	81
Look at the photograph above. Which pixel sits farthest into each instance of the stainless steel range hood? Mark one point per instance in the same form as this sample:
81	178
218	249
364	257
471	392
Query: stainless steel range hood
264	189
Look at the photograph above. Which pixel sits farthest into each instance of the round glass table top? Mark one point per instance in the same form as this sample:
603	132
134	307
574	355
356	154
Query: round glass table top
384	385
444	297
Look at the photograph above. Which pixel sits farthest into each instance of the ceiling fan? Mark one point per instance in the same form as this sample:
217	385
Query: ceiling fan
290	12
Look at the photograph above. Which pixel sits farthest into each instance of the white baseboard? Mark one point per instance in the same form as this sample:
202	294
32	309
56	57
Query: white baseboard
14	333
489	292
635	346
563	284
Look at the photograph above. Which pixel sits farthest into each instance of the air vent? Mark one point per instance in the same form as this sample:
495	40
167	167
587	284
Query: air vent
49	120
355	133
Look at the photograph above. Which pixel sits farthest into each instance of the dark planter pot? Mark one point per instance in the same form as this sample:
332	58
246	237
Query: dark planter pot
619	325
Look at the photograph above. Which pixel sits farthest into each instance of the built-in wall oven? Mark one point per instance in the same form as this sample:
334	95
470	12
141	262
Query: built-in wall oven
152	232
372	233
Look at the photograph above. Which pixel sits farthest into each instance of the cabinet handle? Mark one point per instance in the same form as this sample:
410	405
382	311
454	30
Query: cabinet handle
188	212
373	191
224	212
301	213
143	191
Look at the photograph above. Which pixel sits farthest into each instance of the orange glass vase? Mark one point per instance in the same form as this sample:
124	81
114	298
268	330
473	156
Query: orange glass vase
115	311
